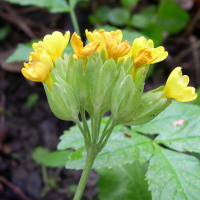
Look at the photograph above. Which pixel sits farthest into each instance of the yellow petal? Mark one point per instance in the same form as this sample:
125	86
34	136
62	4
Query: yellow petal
76	43
176	87
97	36
188	95
89	49
39	66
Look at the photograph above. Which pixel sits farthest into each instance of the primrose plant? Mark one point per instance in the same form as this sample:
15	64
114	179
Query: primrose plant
107	74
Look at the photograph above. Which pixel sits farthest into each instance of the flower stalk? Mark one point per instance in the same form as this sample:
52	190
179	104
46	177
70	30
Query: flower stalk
91	155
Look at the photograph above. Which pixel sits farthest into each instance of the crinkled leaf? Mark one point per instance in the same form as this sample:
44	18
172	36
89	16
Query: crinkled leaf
173	175
178	126
54	6
124	182
119	150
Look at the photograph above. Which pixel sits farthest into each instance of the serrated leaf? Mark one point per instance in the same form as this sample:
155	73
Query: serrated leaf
173	175
118	151
183	137
124	182
54	6
171	17
56	158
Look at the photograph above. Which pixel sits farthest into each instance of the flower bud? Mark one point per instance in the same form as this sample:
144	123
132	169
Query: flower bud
150	106
125	96
102	80
63	101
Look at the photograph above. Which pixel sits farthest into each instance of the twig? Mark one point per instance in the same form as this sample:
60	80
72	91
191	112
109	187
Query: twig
192	24
190	49
14	18
14	188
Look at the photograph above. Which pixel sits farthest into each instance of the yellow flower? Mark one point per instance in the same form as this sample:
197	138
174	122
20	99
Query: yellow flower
144	53
114	48
53	44
176	87
101	36
79	50
39	66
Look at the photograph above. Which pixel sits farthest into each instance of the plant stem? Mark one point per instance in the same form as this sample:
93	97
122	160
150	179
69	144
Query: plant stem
74	20
85	125
44	175
91	155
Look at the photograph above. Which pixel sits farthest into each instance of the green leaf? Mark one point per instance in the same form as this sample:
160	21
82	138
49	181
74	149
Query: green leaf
22	52
173	175
150	12
130	35
129	3
39	154
197	100
153	32
56	158
54	6
171	17
32	100
119	16
139	21
107	28
101	14
183	137
73	138
73	3
4	32
127	34
124	182
68	49
119	150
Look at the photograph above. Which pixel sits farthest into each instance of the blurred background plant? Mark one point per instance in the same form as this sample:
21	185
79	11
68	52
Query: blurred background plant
26	121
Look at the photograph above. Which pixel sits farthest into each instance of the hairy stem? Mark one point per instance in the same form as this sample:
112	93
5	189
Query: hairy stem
91	155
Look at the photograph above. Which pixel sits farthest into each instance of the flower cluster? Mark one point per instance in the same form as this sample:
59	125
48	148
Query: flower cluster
106	74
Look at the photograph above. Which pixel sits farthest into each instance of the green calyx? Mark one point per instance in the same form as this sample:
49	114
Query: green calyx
103	85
